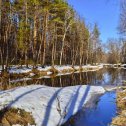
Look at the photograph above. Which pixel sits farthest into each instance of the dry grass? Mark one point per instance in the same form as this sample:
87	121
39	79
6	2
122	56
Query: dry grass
70	70
70	122
15	116
119	121
53	70
16	75
121	103
35	71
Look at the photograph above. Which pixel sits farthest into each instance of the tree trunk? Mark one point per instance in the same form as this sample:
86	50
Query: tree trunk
44	38
26	22
35	40
54	47
63	43
53	51
2	61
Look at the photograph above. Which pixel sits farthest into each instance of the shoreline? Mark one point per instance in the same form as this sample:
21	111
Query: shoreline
120	119
48	71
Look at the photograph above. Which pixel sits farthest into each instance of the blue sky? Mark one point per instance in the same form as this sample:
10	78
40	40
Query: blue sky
104	12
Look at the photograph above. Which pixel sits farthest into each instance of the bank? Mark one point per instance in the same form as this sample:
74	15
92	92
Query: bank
120	120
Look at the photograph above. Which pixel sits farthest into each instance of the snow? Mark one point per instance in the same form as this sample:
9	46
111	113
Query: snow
21	70
32	74
49	73
61	69
19	80
44	69
90	66
21	125
49	106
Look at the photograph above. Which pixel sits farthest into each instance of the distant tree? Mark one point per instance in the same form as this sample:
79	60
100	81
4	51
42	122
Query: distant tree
122	30
114	51
122	23
95	41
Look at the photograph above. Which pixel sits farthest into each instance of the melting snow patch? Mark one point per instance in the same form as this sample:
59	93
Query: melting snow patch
49	106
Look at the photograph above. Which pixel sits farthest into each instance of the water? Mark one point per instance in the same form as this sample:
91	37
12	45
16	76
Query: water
101	77
99	115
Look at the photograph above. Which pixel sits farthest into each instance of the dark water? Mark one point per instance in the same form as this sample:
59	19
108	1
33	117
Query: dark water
101	114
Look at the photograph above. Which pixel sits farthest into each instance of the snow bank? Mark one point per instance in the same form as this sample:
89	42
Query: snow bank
21	70
19	80
49	106
46	68
96	67
61	69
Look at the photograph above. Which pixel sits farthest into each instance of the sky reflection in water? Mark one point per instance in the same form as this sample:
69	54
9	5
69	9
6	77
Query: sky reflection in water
100	115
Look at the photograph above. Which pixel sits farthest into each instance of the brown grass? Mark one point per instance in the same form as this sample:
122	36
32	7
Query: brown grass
15	116
53	70
15	75
70	70
35	71
120	102
121	119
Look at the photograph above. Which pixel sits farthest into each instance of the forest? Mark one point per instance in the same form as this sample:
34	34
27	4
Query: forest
51	32
46	32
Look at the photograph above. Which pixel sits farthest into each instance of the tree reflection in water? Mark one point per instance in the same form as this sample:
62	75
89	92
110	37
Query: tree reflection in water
101	77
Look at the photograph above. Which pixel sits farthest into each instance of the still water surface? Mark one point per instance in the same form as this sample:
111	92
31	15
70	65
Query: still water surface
99	115
101	77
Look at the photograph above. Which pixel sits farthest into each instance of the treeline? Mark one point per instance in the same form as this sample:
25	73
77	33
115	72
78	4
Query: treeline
117	47
116	51
46	32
